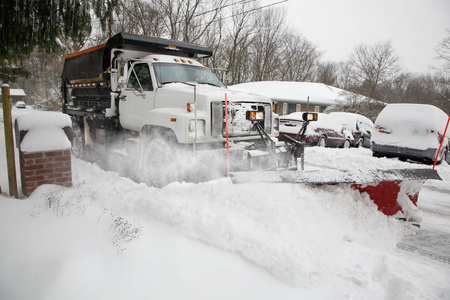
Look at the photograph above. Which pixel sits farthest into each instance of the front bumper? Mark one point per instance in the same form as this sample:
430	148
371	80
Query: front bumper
426	155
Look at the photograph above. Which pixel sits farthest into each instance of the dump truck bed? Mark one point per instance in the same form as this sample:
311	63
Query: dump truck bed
93	64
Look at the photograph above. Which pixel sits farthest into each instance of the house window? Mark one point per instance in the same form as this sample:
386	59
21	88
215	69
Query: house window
292	108
285	109
316	108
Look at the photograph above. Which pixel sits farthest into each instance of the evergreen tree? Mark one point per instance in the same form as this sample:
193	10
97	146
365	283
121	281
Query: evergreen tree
28	25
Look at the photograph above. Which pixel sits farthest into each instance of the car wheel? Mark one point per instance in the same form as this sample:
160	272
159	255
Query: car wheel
346	144
359	143
322	141
446	157
376	154
443	156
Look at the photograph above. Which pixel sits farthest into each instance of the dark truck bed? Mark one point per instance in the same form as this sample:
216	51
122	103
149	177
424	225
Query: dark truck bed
92	65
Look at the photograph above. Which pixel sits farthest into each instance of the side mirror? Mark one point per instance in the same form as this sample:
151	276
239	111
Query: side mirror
121	81
310	116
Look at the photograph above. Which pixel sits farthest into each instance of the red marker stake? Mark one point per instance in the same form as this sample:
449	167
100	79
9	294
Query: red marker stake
440	146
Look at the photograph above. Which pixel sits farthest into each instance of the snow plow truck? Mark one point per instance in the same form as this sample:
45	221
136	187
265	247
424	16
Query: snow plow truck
149	104
151	97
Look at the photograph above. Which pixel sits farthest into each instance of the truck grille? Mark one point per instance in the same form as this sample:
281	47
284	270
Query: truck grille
238	125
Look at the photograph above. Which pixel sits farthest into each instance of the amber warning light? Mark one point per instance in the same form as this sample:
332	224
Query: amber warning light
310	116
255	115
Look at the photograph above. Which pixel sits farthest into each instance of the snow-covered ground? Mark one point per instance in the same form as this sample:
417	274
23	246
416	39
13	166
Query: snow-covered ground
109	237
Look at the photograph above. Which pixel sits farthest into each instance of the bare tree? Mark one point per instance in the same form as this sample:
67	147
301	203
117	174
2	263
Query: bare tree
373	66
239	36
140	17
188	20
443	52
265	47
358	104
299	58
327	73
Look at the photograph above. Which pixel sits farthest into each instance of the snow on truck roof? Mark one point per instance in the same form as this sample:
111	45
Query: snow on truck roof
93	62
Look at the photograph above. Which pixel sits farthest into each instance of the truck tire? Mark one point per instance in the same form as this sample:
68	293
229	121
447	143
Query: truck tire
159	161
78	148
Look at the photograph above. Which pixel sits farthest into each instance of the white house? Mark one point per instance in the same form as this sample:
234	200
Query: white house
293	96
16	95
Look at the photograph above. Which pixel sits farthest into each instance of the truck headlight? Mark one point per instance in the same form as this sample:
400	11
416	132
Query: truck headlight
255	115
200	125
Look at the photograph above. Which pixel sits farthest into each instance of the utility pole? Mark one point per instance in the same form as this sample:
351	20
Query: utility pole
9	142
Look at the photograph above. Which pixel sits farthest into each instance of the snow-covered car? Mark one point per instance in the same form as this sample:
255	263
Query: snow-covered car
20	104
325	132
410	131
360	127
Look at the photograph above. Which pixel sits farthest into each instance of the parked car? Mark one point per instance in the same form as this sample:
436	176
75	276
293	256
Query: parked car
20	104
411	131
359	126
325	132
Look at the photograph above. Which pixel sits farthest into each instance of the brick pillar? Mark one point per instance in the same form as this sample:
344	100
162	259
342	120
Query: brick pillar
50	167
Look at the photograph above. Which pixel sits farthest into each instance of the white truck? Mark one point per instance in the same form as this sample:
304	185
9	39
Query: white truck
152	100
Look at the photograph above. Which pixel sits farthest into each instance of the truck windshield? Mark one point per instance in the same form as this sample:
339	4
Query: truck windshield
170	72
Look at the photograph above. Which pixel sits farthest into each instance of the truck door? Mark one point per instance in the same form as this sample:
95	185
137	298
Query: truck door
137	97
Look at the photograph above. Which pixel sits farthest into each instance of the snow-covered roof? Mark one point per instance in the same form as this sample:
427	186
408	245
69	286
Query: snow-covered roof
294	92
15	92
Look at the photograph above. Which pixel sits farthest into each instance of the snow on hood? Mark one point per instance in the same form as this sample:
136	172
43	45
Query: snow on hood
410	125
412	117
350	120
324	121
212	92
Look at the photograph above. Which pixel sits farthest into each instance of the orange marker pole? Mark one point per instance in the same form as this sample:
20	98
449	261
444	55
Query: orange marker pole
440	146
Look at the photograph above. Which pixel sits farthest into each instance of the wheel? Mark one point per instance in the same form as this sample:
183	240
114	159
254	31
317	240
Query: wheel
446	155
78	148
376	154
322	141
442	157
359	143
159	161
346	144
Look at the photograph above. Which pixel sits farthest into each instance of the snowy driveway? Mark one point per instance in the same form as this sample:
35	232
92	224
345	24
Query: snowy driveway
216	240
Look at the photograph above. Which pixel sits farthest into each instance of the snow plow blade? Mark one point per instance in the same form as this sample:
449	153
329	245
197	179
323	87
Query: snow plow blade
393	191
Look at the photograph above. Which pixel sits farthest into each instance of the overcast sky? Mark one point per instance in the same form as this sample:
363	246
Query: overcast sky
415	27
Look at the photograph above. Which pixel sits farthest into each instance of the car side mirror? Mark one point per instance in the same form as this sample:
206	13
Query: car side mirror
310	116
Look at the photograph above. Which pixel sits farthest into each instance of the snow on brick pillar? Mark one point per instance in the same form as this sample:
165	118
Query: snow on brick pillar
44	150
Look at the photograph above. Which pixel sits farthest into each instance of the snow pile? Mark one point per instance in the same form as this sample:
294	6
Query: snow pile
44	131
297	242
361	158
285	228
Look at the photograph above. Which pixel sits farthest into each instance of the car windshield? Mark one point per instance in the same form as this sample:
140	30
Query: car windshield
170	72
